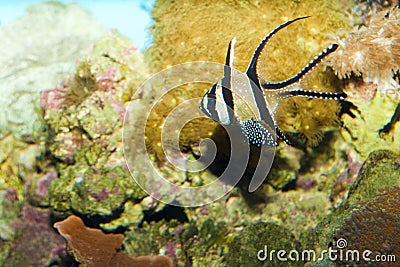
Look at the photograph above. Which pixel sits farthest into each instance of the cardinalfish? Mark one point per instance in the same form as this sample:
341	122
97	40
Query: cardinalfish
251	101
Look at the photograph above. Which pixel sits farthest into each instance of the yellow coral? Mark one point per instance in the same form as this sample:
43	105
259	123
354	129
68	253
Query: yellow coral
187	31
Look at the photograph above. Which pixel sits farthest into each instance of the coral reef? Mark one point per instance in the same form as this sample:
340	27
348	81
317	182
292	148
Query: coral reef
23	178
84	117
91	247
368	62
316	195
363	10
380	171
189	244
58	35
365	127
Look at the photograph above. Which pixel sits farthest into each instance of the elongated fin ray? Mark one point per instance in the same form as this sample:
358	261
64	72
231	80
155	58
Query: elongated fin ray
229	59
227	80
231	53
303	72
252	68
313	94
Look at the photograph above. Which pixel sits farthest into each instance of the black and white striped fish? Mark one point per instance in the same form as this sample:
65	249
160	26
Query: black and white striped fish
251	102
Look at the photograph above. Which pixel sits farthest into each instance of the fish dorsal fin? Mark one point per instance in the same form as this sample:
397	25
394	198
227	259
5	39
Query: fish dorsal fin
229	58
225	86
299	76
252	68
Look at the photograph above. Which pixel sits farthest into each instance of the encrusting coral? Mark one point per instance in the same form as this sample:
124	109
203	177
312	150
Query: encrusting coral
374	227
370	212
91	247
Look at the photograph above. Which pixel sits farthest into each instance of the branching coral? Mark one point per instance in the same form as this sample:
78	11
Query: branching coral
91	247
372	51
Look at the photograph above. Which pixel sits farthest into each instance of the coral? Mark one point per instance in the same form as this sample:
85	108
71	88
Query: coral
99	192
91	247
297	210
26	239
380	171
374	227
309	118
81	169
24	176
192	31
372	51
365	9
378	174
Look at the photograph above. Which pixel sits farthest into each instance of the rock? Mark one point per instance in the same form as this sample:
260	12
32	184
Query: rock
40	49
